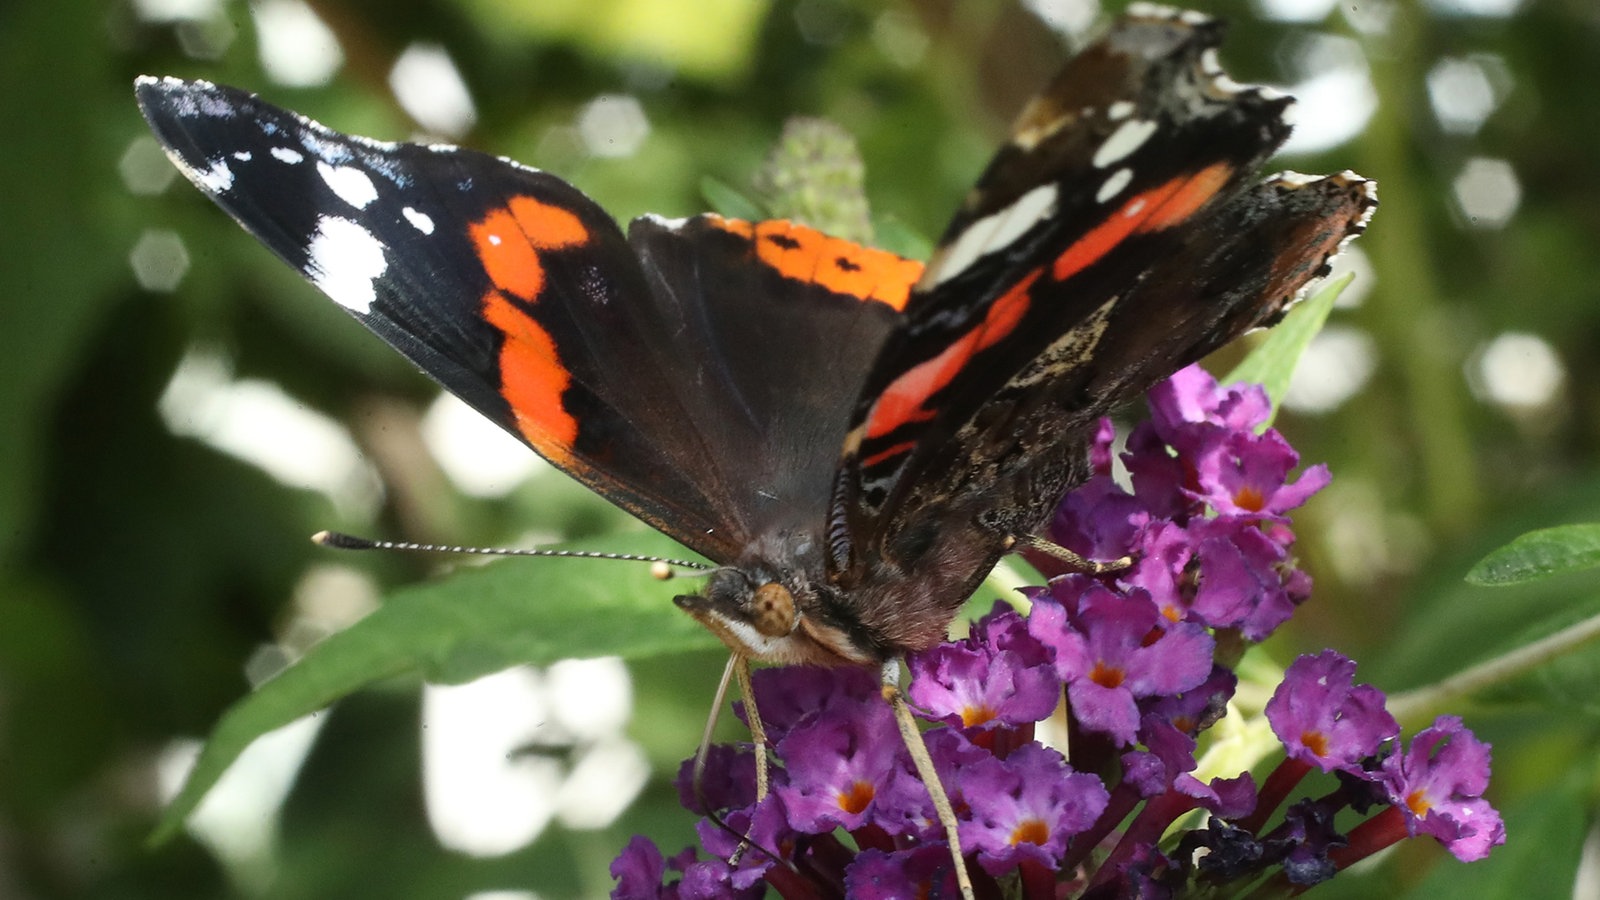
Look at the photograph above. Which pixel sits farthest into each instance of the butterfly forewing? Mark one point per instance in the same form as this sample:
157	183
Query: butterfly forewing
689	372
505	284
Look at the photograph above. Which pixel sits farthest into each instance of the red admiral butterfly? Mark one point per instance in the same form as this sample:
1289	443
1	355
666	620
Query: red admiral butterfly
854	438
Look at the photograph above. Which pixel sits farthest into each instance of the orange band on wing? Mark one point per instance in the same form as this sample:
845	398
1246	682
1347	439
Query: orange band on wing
508	241
1160	207
532	380
1189	197
905	400
808	255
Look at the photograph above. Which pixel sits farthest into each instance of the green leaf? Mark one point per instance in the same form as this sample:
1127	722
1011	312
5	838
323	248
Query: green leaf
1272	363
477	621
1540	554
728	201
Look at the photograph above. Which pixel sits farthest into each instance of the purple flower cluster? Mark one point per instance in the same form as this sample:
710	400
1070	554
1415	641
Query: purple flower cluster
1142	657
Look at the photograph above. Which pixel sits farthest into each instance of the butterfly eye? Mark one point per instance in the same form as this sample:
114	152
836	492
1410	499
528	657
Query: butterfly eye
772	610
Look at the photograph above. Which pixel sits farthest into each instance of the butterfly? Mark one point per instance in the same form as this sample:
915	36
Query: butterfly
852	437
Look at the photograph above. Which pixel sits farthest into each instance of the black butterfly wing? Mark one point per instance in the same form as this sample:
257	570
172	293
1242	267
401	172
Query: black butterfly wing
653	382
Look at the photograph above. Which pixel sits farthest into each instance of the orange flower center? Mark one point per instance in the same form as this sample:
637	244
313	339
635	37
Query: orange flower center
1030	831
1315	741
1250	498
1107	676
1417	802
976	715
855	800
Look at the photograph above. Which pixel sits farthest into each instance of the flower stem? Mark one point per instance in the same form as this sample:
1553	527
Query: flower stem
1423	704
1376	833
1273	791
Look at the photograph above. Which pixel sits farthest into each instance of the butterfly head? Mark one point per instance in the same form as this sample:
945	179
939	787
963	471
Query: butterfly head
776	618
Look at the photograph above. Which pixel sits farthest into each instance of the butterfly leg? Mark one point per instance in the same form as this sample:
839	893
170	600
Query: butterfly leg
924	763
1079	563
738	667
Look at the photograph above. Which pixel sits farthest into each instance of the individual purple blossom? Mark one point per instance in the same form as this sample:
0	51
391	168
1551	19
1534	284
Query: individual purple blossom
1324	718
1026	807
1241	473
1242	584
1197	708
1098	520
1162	479
764	826
836	764
1192	396
1169	753
1162	569
1438	785
728	780
638	870
1113	649
998	675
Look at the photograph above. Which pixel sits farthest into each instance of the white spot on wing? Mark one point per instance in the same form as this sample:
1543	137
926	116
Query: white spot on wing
216	179
419	220
1128	137
665	223
287	155
343	259
997	230
351	184
243	155
1114	185
1120	110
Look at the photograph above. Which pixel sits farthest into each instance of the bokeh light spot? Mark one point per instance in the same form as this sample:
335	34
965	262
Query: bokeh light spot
1487	192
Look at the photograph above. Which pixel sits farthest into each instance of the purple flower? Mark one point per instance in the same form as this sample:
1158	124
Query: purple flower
1230	798
837	763
1241	473
729	780
790	695
1198	708
765	826
1438	784
999	675
923	871
638	869
1242	582
1324	718
1161	567
1161	478
1112	650
1212	550
1098	520
952	753
1170	753
1026	806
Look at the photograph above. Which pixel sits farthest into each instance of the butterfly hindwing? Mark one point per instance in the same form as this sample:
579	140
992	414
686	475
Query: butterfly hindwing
1112	240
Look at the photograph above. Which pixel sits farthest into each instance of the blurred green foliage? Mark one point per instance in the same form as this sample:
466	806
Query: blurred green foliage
141	568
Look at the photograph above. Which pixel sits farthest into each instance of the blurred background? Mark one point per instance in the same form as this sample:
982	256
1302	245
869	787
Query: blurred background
180	411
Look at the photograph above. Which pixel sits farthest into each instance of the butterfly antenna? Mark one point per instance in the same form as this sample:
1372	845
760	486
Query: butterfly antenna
662	566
